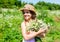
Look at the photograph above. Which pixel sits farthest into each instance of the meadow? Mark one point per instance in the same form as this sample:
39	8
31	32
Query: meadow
10	25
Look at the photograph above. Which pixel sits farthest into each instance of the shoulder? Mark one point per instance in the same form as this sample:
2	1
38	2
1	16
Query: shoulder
22	23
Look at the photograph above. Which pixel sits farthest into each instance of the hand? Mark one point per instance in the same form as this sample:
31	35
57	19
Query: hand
41	30
42	35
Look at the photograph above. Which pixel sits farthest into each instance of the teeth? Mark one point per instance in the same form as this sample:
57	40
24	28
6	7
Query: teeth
26	16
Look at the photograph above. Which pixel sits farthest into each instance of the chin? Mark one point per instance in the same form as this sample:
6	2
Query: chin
27	19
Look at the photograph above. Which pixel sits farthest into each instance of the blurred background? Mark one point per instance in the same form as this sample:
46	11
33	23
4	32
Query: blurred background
11	18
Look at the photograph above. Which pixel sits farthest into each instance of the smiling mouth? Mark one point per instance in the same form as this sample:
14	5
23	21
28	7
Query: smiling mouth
27	16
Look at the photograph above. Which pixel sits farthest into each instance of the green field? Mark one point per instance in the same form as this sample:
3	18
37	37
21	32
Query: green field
10	21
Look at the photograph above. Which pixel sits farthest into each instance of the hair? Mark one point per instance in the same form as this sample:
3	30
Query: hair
33	15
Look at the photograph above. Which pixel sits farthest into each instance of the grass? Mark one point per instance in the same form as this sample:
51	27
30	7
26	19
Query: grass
10	30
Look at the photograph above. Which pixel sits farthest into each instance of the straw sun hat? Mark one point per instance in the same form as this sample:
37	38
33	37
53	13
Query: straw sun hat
28	7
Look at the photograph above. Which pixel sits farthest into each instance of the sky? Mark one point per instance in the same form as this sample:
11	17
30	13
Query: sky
35	1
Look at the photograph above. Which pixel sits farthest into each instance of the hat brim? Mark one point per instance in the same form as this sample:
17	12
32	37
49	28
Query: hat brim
22	9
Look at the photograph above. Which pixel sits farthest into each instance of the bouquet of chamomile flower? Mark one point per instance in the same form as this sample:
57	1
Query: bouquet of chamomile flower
35	25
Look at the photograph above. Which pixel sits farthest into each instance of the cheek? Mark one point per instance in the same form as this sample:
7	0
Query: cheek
30	15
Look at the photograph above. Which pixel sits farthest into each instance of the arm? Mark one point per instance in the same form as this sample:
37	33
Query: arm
28	36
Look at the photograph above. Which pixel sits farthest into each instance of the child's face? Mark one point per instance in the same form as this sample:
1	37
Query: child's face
27	15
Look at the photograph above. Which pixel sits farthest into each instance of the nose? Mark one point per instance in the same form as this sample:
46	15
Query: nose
25	14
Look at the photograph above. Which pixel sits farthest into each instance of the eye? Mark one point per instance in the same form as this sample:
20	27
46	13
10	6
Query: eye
27	12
